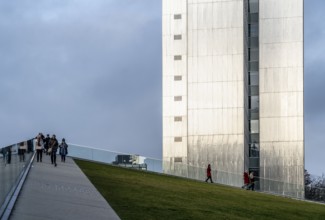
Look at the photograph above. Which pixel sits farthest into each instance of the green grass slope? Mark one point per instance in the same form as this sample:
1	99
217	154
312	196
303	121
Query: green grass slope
141	195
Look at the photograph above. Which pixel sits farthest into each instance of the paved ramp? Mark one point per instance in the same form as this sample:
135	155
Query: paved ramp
61	192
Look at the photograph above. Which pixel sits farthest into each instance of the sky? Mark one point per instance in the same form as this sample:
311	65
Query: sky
91	71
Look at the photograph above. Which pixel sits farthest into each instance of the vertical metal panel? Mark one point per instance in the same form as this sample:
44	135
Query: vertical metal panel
281	96
215	88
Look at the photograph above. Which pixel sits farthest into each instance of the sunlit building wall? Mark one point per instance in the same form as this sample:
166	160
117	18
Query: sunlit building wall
281	93
233	90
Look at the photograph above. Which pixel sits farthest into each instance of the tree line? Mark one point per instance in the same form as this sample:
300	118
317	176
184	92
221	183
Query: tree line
314	187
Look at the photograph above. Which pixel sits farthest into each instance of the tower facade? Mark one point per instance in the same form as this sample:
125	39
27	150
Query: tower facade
233	91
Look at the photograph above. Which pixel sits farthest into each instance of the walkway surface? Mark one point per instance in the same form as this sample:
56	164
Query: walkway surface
61	192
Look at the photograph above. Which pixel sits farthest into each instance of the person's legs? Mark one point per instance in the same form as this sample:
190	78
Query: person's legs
54	159
37	155
209	178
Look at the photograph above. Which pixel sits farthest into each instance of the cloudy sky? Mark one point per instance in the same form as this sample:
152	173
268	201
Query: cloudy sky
90	71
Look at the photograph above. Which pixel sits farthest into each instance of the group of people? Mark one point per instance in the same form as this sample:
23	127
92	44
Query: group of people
249	182
50	146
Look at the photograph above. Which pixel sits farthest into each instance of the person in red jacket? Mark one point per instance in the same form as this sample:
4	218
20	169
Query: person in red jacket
246	180
209	174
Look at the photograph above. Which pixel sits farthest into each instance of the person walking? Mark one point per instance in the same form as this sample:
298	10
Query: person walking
209	174
46	143
39	147
54	147
21	151
9	155
4	152
252	181
246	180
63	150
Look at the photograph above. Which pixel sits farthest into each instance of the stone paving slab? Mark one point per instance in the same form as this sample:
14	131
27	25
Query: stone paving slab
62	192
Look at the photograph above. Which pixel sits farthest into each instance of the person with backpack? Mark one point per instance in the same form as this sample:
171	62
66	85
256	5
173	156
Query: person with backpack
63	150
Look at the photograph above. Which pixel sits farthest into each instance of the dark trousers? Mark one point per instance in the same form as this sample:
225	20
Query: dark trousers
209	177
9	158
39	154
62	158
22	156
251	186
53	158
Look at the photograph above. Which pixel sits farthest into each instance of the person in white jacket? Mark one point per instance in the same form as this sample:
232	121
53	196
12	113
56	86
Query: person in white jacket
39	147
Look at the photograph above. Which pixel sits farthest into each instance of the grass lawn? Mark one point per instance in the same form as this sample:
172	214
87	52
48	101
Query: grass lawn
141	195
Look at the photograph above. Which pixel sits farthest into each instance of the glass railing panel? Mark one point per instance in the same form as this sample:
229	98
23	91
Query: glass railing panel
116	158
135	161
103	156
13	162
154	165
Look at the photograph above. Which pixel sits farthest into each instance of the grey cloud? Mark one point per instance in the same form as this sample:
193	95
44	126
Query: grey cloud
87	71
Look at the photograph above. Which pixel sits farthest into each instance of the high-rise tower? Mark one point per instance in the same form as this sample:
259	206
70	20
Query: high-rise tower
233	90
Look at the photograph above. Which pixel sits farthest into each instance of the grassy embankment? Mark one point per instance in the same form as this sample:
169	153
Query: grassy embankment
141	195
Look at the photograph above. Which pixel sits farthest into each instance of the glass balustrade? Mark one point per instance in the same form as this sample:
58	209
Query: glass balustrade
12	165
13	162
136	161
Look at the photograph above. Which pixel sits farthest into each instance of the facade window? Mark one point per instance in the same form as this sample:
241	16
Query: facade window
177	78
253	30
253	127
178	57
177	98
253	54
254	150
254	138
253	66
253	42
177	139
178	118
178	37
254	114
253	6
253	102
178	160
253	79
253	18
177	16
253	90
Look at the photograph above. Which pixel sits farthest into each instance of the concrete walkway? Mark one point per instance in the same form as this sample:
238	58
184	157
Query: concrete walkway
61	192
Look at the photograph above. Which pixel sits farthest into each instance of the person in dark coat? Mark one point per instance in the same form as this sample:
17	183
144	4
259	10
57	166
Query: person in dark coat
54	144
9	155
63	150
46	143
209	174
